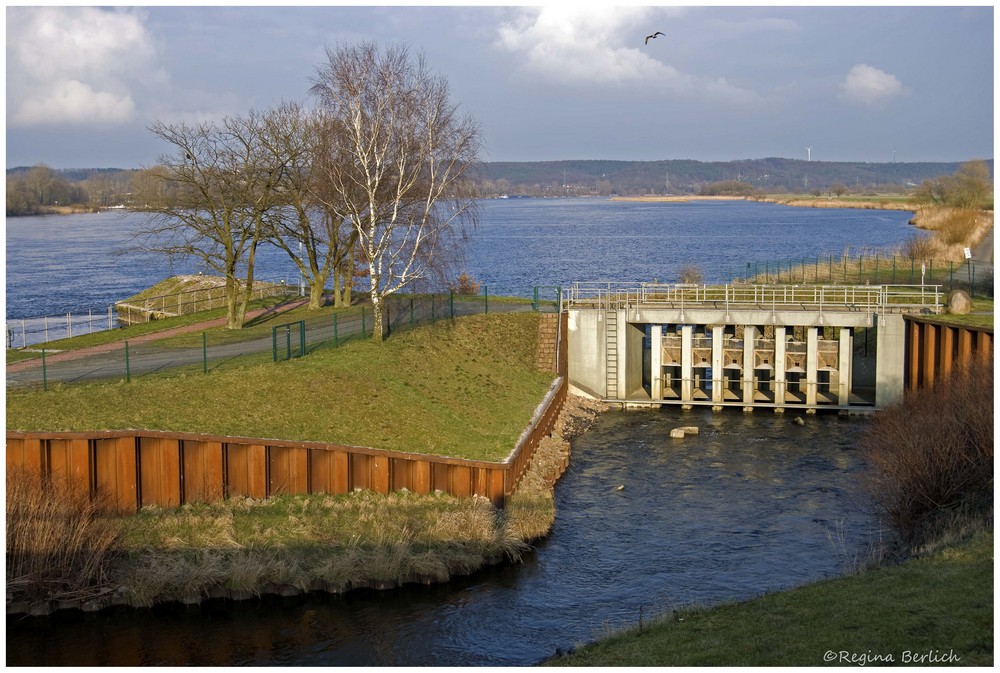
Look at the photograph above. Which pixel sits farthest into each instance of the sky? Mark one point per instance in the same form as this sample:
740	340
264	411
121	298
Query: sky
546	83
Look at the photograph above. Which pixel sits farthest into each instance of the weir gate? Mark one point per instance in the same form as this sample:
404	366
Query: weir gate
810	348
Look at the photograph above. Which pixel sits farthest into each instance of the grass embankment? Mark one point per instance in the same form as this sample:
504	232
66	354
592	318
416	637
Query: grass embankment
469	383
62	548
942	604
464	388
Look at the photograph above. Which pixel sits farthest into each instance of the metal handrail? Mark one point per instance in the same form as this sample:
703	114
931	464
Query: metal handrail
872	298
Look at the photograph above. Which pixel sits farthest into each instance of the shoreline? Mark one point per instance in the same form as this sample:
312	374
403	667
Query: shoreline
537	485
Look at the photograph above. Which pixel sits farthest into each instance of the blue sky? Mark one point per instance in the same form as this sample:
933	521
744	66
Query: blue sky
552	82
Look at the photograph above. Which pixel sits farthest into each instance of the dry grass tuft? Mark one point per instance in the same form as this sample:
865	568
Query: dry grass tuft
59	542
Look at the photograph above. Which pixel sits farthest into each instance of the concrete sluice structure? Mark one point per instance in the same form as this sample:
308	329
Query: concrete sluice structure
769	346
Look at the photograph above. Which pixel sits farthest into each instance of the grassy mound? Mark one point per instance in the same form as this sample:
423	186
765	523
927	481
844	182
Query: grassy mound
464	388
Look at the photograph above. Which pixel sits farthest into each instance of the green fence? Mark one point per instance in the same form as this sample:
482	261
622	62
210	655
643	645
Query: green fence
874	269
261	340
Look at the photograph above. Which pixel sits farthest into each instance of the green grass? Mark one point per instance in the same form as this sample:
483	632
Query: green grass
942	603
464	388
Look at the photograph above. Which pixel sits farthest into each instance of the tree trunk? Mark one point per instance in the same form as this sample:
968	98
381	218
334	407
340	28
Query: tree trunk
232	299
316	291
247	290
378	317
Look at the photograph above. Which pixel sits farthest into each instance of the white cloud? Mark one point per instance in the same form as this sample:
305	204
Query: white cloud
601	45
870	86
75	64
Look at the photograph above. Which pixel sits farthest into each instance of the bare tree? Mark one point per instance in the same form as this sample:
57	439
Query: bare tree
308	226
208	200
399	154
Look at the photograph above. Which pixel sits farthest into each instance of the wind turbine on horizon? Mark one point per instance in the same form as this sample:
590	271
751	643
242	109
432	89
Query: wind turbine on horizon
809	153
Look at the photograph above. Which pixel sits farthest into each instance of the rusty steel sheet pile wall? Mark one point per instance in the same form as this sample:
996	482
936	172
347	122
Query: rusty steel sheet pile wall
935	349
136	468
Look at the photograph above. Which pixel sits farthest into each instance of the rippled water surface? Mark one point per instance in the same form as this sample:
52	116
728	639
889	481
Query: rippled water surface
71	263
753	503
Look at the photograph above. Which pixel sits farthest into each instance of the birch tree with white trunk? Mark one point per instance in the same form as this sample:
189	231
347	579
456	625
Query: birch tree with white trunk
399	165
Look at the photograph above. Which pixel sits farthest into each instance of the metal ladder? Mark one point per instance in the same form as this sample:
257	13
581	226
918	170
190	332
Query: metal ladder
611	350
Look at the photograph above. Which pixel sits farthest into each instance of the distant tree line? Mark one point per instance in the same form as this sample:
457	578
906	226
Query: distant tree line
943	183
40	189
768	176
970	187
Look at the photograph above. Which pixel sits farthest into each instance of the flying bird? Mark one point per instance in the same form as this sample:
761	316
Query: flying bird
650	37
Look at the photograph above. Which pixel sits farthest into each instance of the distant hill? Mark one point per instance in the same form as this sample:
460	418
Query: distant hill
685	176
673	176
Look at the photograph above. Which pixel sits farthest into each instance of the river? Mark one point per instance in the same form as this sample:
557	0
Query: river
58	264
754	503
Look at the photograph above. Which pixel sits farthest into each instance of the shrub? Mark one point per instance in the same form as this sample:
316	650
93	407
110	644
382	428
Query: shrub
689	274
59	544
958	227
931	456
918	247
464	284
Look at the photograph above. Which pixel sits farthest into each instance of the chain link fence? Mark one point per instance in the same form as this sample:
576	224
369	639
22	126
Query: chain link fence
874	269
263	340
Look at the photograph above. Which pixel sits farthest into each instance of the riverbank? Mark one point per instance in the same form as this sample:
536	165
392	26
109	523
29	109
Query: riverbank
243	548
933	610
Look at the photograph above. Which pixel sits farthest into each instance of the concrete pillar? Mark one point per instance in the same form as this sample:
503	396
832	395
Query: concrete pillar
656	362
687	370
890	350
812	364
718	379
779	364
749	337
844	359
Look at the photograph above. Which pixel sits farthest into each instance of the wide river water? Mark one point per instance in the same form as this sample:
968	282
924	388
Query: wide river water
74	263
752	504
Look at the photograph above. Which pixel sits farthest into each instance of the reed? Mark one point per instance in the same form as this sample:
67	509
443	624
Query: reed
59	542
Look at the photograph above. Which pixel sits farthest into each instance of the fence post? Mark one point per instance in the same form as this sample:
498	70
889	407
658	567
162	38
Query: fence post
204	352
302	338
128	369
45	321
336	340
69	325
486	294
432	309
534	304
451	301
45	378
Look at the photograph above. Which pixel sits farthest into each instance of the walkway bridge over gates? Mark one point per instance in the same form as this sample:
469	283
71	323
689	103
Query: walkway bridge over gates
807	347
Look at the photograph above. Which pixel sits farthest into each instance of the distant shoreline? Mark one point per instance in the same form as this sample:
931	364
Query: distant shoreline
793	201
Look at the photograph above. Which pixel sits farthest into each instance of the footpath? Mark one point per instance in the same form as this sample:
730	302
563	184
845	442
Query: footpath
90	351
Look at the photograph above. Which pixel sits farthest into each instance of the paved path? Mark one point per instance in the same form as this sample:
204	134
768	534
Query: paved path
90	351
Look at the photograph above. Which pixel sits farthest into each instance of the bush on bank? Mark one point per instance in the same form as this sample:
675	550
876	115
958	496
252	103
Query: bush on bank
931	458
